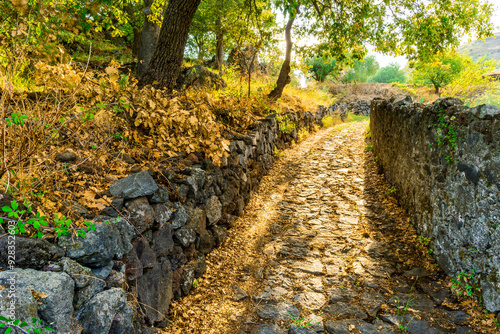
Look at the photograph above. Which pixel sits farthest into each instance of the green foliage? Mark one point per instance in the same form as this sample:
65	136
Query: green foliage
300	322
390	191
277	152
424	244
9	324
446	135
473	87
389	74
285	124
361	70
321	68
440	70
461	284
62	225
355	118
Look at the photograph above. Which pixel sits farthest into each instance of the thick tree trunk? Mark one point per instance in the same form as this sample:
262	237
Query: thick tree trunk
284	77
219	51
136	46
149	37
166	62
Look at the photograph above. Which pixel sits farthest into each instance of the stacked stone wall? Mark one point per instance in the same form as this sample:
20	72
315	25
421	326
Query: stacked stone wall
444	160
150	244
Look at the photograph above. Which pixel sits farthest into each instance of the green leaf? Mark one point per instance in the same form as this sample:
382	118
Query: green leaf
2	324
16	322
8	330
24	324
14	205
6	209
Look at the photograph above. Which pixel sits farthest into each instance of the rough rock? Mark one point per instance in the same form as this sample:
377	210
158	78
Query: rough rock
180	217
30	252
144	253
310	300
281	311
345	310
142	214
214	210
107	242
122	322
98	313
57	308
161	195
162	214
185	236
155	290
163	242
133	186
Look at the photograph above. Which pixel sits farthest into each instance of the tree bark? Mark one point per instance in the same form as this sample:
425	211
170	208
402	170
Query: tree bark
284	76
149	37
166	62
219	51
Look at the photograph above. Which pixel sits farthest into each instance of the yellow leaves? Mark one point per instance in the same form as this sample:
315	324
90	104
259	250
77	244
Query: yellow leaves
87	198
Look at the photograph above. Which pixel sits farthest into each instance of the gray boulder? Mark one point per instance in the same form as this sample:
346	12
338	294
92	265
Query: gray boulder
142	214
26	306
214	210
86	283
98	247
30	252
133	186
56	309
163	213
155	290
161	195
122	322
180	217
97	315
163	242
185	236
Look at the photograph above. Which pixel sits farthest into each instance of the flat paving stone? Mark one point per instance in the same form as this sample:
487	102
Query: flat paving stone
415	301
311	267
311	300
341	295
281	311
345	310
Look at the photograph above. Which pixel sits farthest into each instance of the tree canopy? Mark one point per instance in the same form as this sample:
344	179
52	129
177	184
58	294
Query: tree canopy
389	74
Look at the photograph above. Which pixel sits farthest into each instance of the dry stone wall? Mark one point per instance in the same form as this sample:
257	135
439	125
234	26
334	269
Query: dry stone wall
153	250
444	160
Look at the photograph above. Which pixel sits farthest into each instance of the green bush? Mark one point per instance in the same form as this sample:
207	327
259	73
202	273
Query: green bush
390	74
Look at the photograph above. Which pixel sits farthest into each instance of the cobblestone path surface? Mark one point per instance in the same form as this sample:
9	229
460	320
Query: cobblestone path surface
323	243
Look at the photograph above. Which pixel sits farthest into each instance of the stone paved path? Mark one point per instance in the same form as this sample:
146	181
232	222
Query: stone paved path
323	243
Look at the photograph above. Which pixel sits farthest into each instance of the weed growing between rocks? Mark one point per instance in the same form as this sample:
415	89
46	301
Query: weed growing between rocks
446	135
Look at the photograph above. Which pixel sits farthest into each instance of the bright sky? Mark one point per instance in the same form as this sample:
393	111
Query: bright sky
385	60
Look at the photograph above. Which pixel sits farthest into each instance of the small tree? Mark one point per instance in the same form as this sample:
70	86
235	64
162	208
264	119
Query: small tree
361	70
389	74
438	71
320	68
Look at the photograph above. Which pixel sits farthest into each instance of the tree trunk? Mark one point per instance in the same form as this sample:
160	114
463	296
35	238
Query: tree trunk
136	43
219	51
136	46
436	90
149	37
284	77
166	62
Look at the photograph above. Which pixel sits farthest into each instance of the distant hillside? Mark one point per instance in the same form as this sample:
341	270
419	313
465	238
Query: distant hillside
490	48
